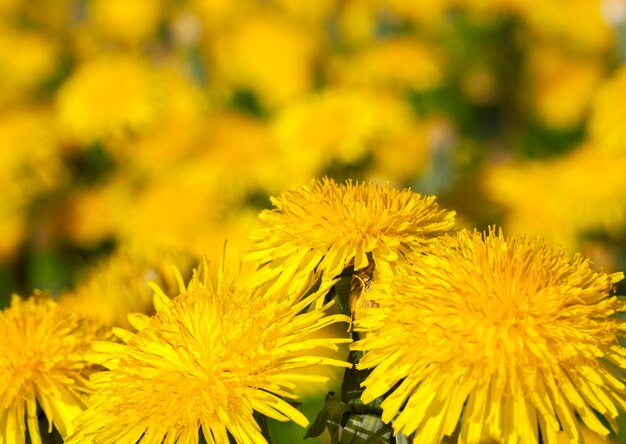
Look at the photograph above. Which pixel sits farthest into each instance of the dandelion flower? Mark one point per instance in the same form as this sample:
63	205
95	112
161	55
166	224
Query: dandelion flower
42	364
12	230
32	164
563	84
396	63
605	121
118	285
20	73
408	153
331	225
572	200
128	21
255	48
511	337
108	97
308	129
91	214
579	26
208	359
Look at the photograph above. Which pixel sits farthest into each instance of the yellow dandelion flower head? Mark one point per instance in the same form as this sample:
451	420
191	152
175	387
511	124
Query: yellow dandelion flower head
30	161
605	124
397	63
90	215
216	16
340	223
255	48
118	285
178	136
311	13
357	22
107	97
12	229
36	61
235	136
510	336
422	13
483	8
42	364
308	127
571	201
406	154
130	21
563	84
147	212
208	359
9	6
580	26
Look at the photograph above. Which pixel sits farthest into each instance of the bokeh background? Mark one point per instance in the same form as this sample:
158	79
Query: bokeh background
137	134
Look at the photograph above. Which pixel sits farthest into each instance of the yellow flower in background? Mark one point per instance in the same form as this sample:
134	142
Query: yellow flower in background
129	21
12	229
511	337
394	63
266	54
9	6
314	13
30	165
231	137
23	70
174	210
419	11
30	162
90	215
564	197
107	98
177	136
577	25
405	155
606	126
562	84
486	9
118	286
217	16
328	226
191	208
307	132
231	230
208	359
357	21
51	16
42	364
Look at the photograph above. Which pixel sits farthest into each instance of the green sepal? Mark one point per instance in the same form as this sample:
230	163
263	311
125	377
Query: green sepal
365	429
261	420
351	388
342	291
401	438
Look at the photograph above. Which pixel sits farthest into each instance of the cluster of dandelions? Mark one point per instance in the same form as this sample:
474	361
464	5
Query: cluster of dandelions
478	337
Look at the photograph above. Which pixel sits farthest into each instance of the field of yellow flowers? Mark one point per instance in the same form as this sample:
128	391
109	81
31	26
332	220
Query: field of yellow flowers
345	221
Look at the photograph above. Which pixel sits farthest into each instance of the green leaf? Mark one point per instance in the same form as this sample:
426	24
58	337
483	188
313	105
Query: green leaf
330	417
